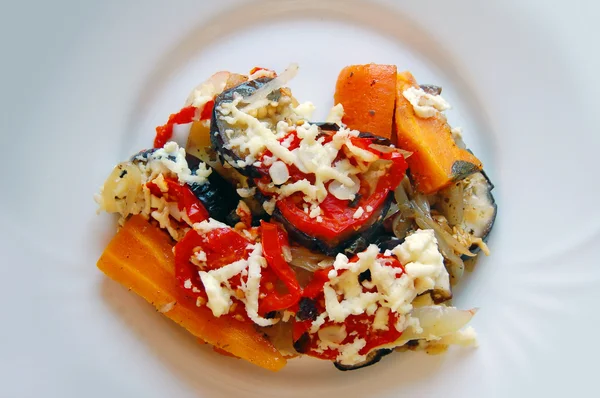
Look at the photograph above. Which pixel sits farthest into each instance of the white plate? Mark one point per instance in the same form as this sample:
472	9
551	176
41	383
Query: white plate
83	86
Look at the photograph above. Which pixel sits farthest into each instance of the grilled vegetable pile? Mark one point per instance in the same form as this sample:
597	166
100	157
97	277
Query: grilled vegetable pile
270	235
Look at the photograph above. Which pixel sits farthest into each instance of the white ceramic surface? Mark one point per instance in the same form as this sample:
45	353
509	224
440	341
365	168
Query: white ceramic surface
84	83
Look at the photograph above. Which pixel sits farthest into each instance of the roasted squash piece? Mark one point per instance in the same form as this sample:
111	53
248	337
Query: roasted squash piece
367	93
436	161
140	258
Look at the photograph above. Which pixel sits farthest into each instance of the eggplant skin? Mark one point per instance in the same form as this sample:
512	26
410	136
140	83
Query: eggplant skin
431	89
461	169
142	156
372	359
387	242
492	220
493	202
219	139
350	246
217	195
301	345
332	127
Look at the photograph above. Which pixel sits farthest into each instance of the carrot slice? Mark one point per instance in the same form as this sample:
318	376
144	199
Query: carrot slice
436	161
140	258
368	93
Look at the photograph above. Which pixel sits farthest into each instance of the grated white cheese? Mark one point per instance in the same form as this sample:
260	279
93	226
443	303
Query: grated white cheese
423	262
171	158
167	307
335	115
206	91
456	133
312	156
381	320
349	354
125	191
201	256
305	110
424	104
359	212
269	206
219	291
161	183
246	192
315	211
208	225
279	173
395	289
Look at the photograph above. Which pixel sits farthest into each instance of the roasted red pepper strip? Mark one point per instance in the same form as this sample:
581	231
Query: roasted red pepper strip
273	240
185	198
165	132
315	286
222	246
207	111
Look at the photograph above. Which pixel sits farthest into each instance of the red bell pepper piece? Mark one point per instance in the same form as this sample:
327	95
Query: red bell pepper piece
185	198
165	132
273	240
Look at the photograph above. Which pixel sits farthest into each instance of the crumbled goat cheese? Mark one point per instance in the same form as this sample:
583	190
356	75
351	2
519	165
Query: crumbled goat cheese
359	212
305	110
335	115
425	105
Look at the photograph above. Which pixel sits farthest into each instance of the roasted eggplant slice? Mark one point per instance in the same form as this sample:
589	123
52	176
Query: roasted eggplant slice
333	127
217	195
387	242
372	358
480	207
348	245
221	132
